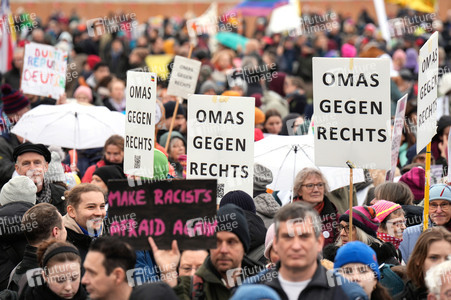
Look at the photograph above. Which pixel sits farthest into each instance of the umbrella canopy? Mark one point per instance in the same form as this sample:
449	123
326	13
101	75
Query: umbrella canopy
285	156
258	7
70	125
231	39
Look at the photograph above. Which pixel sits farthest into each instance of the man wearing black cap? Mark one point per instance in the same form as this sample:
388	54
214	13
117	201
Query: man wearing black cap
32	160
225	267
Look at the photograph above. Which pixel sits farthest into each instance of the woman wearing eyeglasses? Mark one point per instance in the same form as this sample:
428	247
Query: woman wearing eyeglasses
364	229
392	223
439	215
310	186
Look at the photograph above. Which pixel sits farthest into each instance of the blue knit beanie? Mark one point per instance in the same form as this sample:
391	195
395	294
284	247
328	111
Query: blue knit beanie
357	252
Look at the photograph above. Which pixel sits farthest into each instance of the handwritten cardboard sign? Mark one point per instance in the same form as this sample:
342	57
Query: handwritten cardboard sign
44	71
182	210
184	77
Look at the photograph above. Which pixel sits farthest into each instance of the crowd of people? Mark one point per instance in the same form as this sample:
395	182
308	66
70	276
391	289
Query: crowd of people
52	231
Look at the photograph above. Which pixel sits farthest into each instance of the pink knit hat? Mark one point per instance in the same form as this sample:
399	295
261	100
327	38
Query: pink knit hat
270	233
348	50
383	208
83	90
415	179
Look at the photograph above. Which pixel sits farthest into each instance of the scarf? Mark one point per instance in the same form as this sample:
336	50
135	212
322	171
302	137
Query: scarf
389	239
319	207
45	196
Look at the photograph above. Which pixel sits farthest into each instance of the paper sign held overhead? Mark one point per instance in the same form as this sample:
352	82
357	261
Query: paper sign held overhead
220	143
397	134
140	123
351	98
183	210
427	92
44	71
184	77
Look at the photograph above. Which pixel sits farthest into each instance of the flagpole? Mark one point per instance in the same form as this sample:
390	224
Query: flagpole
426	187
351	168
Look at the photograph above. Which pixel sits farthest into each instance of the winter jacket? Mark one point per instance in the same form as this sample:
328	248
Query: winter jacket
409	239
12	238
257	232
385	252
90	170
414	214
7	144
57	197
146	262
42	292
411	292
29	262
76	236
329	219
318	288
213	285
266	207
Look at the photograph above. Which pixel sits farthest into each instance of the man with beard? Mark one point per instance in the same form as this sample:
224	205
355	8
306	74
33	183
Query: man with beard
32	160
225	267
113	155
439	215
85	214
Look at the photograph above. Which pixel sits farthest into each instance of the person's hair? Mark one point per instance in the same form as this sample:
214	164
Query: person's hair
116	252
303	175
48	246
369	196
300	211
296	81
115	140
73	196
39	222
435	274
380	292
361	236
416	261
397	213
397	192
105	82
100	65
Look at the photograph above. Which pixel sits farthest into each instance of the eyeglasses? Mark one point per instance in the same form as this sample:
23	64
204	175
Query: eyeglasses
356	270
397	223
311	186
346	228
443	206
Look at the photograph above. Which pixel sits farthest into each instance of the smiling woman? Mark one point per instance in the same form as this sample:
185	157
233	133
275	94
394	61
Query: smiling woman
310	187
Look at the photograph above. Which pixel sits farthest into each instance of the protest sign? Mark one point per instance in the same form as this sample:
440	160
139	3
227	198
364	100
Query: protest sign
183	77
427	92
221	141
140	123
397	134
182	210
351	98
44	71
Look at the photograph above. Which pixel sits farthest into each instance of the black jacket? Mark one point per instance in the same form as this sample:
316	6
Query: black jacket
58	199
7	144
43	292
257	232
411	292
317	288
12	238
81	241
29	262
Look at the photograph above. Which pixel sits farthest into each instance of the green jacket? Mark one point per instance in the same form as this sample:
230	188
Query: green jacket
214	287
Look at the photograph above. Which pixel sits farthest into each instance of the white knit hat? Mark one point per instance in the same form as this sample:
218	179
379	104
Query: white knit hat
19	188
55	172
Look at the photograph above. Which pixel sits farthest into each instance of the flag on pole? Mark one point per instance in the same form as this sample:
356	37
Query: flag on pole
6	37
207	23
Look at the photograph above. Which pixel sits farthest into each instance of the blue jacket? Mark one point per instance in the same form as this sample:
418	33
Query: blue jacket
409	239
146	266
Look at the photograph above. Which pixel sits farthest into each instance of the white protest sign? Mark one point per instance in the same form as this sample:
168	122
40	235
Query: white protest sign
221	141
351	99
140	111
44	71
183	77
397	134
427	92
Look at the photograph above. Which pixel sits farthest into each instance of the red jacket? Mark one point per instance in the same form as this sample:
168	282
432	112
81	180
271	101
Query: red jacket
90	170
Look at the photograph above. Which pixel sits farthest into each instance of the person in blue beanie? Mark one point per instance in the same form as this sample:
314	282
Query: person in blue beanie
357	262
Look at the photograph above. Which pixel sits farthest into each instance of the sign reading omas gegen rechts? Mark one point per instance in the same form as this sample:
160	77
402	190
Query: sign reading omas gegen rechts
351	99
140	123
427	92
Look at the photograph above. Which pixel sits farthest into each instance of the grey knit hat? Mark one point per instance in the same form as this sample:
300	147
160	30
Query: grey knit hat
262	177
55	171
19	188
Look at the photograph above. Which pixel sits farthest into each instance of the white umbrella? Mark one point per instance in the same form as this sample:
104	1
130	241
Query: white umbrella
70	125
285	156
